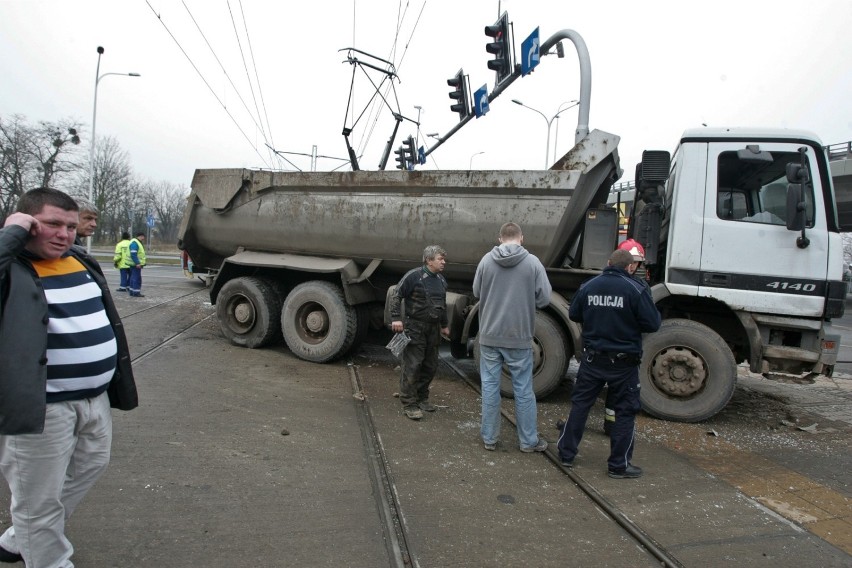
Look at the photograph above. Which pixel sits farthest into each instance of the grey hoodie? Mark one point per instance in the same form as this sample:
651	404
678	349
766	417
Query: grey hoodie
510	284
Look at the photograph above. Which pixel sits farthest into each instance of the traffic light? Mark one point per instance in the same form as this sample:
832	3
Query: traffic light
400	158
410	152
459	94
500	48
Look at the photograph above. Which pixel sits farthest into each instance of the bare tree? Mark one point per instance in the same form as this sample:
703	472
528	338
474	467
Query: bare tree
112	188
165	201
51	152
17	170
33	156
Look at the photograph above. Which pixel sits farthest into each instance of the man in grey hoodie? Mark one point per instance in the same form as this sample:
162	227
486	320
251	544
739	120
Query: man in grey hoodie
510	284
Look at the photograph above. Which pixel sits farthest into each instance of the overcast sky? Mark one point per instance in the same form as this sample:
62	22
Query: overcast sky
658	67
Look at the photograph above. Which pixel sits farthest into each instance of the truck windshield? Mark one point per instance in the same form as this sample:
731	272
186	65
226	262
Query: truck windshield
756	192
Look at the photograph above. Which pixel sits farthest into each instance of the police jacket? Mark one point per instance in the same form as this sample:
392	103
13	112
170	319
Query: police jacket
23	339
615	310
425	297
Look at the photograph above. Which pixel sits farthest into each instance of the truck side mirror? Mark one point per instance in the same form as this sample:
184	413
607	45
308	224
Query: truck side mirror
795	207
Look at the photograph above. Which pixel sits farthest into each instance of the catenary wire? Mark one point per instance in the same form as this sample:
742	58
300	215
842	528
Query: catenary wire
248	75
201	76
256	75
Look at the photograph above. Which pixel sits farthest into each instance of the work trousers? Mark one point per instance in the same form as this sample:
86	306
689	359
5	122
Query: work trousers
419	361
49	474
125	278
624	385
135	284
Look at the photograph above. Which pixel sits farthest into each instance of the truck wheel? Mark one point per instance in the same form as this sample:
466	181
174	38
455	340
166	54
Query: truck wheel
248	310
362	328
688	373
550	359
317	323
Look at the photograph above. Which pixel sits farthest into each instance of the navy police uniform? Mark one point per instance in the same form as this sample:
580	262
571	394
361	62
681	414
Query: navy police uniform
615	310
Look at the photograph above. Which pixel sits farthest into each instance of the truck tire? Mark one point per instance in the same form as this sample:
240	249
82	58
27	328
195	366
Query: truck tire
362	327
247	309
317	323
688	373
550	358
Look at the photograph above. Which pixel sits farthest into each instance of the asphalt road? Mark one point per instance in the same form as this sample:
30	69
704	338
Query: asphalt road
241	457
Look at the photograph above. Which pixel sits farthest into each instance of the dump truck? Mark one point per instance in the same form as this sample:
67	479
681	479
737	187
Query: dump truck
740	229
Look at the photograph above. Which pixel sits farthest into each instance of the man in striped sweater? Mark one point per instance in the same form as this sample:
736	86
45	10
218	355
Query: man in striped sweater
64	362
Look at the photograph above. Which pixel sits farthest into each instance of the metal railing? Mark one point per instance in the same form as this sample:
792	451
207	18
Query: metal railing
841	151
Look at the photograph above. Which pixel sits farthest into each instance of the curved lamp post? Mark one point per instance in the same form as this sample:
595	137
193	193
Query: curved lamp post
549	123
94	118
470	165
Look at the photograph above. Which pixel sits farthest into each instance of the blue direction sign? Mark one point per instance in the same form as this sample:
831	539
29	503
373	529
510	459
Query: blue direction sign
480	101
150	221
421	155
530	53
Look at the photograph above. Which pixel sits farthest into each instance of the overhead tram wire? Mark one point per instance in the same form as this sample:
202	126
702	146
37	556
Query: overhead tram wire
248	76
212	92
376	108
256	76
221	66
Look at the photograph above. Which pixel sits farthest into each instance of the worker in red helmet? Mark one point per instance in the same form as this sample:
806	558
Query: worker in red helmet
636	249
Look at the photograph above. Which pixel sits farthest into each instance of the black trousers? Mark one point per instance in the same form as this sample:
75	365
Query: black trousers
623	385
419	361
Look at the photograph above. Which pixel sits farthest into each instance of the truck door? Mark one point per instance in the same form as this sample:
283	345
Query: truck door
749	259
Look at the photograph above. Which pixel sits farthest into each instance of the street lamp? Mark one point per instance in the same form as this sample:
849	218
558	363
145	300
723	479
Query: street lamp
549	123
470	165
556	134
434	135
94	117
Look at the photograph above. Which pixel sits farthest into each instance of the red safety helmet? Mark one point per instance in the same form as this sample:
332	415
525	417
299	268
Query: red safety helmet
634	248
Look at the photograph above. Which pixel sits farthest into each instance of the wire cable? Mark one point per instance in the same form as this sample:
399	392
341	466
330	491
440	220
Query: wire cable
256	75
248	76
201	76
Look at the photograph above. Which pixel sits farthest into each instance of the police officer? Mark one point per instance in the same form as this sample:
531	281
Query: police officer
638	252
424	291
615	310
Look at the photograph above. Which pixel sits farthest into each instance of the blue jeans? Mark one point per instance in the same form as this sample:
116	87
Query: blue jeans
519	363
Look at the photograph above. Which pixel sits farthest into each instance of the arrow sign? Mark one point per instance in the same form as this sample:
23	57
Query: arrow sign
530	56
480	101
421	155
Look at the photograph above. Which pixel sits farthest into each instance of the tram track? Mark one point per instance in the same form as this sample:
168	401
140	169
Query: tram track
167	340
665	557
159	304
396	531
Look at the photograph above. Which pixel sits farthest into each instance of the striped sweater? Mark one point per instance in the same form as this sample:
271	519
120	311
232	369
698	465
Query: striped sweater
81	345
